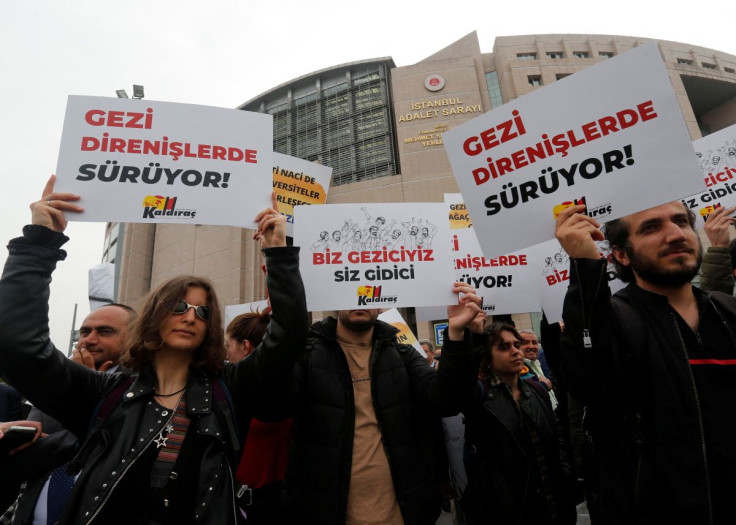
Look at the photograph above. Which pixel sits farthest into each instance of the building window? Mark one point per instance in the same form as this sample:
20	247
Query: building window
526	56
685	61
535	80
605	54
345	124
580	54
729	70
494	89
706	65
560	76
554	54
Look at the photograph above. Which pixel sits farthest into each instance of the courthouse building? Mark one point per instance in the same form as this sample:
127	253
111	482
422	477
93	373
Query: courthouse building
380	128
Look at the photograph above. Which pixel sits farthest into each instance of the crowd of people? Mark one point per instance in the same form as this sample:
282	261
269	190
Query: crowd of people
165	416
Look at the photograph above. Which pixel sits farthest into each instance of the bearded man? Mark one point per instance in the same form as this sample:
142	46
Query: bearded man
656	366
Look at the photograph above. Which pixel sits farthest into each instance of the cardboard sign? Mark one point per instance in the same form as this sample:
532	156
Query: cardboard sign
405	335
156	162
611	136
716	155
430	313
553	276
374	255
506	283
296	182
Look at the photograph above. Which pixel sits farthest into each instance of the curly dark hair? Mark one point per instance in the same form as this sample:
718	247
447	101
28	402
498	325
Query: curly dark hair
617	235
145	339
493	335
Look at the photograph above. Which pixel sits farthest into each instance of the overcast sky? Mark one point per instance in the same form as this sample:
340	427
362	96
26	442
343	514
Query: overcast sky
225	52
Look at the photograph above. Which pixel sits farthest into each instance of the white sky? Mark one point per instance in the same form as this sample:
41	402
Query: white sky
225	52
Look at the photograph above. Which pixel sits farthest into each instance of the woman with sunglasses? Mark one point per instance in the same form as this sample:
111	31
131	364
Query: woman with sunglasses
513	454
160	439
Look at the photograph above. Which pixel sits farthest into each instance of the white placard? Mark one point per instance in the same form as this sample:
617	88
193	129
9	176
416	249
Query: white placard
430	313
716	155
611	135
507	283
298	182
155	162
405	335
387	255
553	276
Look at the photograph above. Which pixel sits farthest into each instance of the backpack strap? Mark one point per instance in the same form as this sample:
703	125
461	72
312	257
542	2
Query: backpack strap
221	396
109	403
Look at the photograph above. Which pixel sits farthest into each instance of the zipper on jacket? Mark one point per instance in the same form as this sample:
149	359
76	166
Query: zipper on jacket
587	341
120	477
700	418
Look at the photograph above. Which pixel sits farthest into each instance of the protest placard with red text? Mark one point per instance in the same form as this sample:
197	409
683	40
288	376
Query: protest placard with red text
611	136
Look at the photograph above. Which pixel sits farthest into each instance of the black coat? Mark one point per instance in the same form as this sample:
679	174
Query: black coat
643	411
499	465
10	404
71	393
406	395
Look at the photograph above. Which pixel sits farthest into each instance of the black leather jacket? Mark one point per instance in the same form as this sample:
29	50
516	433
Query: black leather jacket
407	398
71	393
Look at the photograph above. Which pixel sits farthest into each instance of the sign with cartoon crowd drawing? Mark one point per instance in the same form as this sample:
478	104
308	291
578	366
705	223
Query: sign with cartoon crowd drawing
155	162
553	275
297	181
374	255
611	136
404	335
716	155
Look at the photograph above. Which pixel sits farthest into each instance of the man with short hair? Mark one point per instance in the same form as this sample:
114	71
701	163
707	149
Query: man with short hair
428	348
103	334
530	347
655	364
102	338
365	403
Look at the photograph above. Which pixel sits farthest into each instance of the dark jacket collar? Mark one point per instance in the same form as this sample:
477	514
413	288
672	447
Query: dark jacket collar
633	291
198	393
327	328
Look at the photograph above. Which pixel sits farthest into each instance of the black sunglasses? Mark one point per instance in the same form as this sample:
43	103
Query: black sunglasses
181	307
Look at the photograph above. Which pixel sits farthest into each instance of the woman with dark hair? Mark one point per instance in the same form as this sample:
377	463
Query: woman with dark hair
159	439
244	333
513	455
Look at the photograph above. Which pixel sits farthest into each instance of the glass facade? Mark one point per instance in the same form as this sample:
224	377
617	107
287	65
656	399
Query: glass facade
340	118
110	249
494	89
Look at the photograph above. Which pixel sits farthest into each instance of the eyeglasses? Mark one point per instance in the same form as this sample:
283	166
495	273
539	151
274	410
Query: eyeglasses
504	345
181	307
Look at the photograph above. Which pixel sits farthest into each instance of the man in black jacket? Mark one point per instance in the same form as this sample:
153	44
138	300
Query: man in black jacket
655	364
364	404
